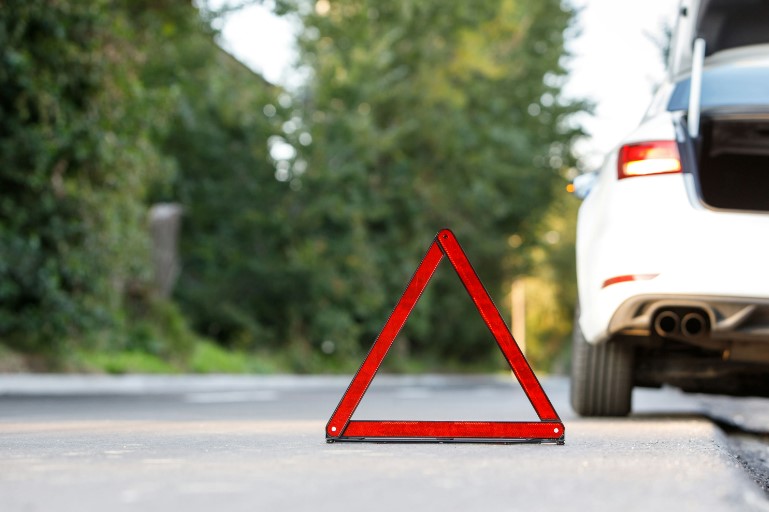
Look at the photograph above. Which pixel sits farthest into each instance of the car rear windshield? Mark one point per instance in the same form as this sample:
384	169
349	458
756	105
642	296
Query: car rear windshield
726	87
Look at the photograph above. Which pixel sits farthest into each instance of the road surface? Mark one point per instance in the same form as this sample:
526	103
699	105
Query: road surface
257	444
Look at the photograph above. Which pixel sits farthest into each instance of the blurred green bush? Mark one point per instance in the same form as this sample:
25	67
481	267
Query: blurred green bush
306	211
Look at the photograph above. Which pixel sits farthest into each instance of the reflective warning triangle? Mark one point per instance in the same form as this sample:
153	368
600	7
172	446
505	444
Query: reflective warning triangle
342	428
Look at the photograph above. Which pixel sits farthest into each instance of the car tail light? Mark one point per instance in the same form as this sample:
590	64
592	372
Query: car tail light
647	158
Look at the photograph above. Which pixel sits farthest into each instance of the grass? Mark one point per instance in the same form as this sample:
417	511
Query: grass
211	358
206	357
122	362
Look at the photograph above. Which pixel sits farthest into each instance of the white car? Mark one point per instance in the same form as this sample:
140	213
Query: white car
673	233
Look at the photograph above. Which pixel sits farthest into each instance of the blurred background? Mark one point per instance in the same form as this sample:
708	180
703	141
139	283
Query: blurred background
248	186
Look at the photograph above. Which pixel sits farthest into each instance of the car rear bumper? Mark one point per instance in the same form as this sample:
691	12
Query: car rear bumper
711	261
727	319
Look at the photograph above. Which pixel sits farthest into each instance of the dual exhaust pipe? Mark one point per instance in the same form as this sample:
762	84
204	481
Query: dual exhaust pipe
670	323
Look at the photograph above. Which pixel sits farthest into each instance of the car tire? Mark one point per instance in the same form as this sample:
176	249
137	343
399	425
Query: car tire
601	376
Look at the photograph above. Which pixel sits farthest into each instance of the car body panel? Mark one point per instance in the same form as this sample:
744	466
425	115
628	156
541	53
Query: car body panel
657	225
672	250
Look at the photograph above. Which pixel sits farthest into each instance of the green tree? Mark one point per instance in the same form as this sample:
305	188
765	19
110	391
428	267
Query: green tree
234	284
304	216
422	115
76	157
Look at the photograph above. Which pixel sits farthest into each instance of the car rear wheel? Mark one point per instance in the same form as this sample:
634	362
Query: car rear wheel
601	376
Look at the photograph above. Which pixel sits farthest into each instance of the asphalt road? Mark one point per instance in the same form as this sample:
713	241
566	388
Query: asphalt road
257	444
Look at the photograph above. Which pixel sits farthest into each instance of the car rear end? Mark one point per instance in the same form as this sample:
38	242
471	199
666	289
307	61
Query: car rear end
673	245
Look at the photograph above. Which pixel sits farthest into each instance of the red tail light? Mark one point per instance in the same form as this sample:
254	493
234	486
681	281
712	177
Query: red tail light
647	158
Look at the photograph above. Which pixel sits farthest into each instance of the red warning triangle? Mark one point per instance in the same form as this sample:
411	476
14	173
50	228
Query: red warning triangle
342	428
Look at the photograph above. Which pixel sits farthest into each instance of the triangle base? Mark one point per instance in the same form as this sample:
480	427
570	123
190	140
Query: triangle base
453	431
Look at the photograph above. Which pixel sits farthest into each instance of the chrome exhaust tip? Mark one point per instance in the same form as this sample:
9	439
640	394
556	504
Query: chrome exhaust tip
666	323
693	324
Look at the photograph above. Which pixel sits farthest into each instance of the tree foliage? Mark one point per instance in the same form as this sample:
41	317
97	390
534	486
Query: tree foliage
76	156
422	115
234	284
305	211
